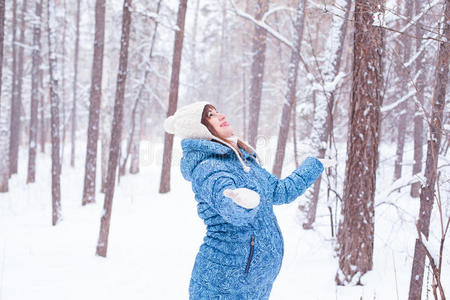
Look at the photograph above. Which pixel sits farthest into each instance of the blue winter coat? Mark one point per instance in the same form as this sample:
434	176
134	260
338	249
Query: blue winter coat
243	248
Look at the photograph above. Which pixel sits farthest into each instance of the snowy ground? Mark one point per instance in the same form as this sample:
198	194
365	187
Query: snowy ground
154	238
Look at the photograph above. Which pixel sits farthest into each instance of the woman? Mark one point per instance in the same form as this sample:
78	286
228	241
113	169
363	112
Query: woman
243	248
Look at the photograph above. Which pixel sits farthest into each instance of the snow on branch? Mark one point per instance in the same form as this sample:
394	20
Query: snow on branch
330	86
274	10
262	24
422	48
156	18
398	102
427	248
271	31
418	17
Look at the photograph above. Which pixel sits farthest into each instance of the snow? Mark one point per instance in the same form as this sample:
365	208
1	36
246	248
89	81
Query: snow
262	24
378	19
433	249
386	108
154	237
447	127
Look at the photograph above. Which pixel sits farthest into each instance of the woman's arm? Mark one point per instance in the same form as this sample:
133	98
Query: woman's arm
288	189
210	179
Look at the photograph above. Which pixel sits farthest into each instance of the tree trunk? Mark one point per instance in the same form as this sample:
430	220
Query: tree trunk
135	147
244	87
164	186
63	83
2	39
132	134
116	131
222	58
42	131
74	86
292	89
418	115
434	142
323	118
257	73
403	108
356	231
34	95
4	161
94	108
54	99
17	67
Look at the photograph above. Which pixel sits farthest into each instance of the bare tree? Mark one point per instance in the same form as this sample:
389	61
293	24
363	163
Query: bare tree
356	230
403	108
74	87
292	89
257	72
2	39
418	117
94	108
323	118
36	57
16	103
116	131
54	108
133	143
434	142
4	161
222	57
63	81
134	164
164	186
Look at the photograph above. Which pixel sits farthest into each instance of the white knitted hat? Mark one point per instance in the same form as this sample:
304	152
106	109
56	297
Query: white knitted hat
186	124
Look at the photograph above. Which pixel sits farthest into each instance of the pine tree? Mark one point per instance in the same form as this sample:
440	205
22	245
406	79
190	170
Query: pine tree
54	110
356	230
4	161
164	186
433	146
35	94
292	89
94	107
257	72
116	131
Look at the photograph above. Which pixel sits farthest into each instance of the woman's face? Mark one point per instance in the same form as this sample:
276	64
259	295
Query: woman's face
218	121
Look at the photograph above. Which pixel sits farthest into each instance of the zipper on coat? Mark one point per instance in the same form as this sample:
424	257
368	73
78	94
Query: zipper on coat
252	244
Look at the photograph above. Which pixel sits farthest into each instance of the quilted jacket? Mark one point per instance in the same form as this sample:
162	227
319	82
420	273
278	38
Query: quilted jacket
242	251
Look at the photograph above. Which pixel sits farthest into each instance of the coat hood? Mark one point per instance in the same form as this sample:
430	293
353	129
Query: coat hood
197	150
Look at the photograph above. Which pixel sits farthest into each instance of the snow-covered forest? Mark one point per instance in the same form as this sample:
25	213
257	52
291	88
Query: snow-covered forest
93	204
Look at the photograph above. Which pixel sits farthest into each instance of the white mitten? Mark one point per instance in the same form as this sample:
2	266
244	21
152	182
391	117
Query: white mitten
327	162
243	197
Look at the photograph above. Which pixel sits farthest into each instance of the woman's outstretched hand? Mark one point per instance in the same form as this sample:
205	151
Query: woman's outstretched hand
327	162
243	197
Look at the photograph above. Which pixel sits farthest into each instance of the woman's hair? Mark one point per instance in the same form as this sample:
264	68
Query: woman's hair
204	121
